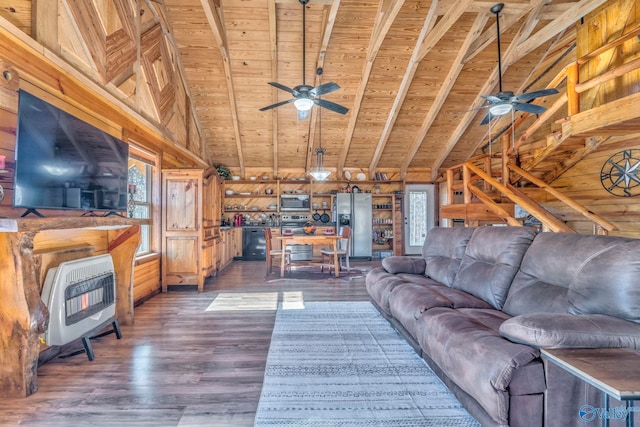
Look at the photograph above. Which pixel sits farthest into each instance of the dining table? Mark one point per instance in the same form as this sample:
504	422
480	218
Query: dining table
311	239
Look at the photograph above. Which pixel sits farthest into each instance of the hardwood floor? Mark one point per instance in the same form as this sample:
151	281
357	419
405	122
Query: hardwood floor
185	362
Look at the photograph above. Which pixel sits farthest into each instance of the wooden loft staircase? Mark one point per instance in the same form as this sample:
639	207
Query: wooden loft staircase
491	186
489	200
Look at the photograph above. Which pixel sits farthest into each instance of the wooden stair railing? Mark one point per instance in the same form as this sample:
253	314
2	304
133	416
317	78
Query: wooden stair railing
472	175
601	225
548	220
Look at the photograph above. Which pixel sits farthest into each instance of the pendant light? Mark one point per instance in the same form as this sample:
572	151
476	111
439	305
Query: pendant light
319	173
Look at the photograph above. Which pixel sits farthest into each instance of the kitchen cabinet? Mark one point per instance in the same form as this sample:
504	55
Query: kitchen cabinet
230	246
190	226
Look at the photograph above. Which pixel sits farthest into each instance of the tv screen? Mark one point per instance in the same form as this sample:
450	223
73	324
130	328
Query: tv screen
64	163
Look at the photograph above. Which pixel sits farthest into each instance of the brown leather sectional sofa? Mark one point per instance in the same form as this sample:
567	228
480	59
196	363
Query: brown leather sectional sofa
481	303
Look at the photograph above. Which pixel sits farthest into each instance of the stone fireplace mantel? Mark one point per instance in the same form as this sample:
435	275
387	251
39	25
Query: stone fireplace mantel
28	247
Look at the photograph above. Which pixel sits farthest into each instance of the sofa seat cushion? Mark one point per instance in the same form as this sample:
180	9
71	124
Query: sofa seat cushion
491	261
380	284
466	344
408	303
552	330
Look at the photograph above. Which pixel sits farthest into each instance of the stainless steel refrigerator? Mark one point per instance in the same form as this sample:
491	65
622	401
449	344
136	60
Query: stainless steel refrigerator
354	210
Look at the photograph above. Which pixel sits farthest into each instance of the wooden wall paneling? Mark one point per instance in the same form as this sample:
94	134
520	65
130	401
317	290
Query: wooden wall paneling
51	74
146	279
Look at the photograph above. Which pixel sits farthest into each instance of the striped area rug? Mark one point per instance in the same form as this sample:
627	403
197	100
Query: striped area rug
342	364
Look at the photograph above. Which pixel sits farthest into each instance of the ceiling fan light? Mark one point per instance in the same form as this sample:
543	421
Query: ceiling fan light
500	109
303	104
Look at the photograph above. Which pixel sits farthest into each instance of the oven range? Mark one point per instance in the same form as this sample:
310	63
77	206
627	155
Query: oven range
294	224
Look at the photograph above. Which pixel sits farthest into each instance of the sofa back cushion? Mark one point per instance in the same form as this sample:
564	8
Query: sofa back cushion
578	274
491	261
443	250
609	283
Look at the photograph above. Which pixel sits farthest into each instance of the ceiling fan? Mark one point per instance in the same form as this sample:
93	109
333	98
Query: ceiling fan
304	95
504	101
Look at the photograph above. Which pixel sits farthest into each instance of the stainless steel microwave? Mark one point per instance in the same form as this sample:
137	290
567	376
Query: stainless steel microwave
294	202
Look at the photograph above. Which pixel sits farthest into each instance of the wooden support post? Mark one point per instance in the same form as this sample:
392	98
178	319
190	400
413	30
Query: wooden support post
450	194
573	98
466	181
505	158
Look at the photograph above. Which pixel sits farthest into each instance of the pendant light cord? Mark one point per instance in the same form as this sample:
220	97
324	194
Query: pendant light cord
304	39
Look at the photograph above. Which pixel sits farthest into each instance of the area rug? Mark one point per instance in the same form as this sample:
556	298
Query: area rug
336	364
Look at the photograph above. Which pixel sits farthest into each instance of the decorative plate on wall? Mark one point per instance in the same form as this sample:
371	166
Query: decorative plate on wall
620	174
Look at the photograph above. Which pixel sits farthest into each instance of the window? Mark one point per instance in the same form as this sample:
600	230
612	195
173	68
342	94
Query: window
140	197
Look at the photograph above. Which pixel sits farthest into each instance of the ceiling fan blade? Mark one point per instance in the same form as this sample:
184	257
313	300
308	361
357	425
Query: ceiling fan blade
283	87
486	119
533	95
331	106
492	98
269	107
324	88
529	108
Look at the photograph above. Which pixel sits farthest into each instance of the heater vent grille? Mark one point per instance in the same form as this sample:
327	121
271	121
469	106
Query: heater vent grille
80	296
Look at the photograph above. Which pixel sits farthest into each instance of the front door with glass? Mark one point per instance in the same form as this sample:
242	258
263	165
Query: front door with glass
419	208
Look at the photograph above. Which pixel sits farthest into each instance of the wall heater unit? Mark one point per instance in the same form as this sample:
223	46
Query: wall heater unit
81	298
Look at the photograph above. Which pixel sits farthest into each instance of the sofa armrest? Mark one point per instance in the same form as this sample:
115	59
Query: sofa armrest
404	264
554	330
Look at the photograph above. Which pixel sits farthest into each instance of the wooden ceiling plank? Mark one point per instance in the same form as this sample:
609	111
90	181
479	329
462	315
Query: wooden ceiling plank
444	25
561	23
217	28
409	74
443	93
387	13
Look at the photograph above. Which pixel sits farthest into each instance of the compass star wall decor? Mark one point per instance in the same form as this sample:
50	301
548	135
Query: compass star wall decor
620	174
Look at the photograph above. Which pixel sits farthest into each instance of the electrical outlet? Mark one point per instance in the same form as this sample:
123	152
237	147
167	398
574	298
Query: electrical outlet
1	194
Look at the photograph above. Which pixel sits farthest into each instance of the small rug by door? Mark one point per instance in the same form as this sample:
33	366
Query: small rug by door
342	364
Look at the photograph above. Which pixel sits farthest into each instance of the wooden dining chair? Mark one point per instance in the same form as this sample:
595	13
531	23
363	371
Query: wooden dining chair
274	253
343	250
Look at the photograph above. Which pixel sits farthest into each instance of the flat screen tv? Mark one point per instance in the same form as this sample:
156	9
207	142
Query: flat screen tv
63	162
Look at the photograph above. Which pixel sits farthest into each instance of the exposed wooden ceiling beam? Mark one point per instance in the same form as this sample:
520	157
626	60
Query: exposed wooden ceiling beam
218	30
410	72
445	88
444	25
387	12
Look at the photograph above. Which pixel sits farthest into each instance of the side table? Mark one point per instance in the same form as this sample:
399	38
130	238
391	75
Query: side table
614	371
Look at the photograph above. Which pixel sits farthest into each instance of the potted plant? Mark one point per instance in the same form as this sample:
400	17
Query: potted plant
224	172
